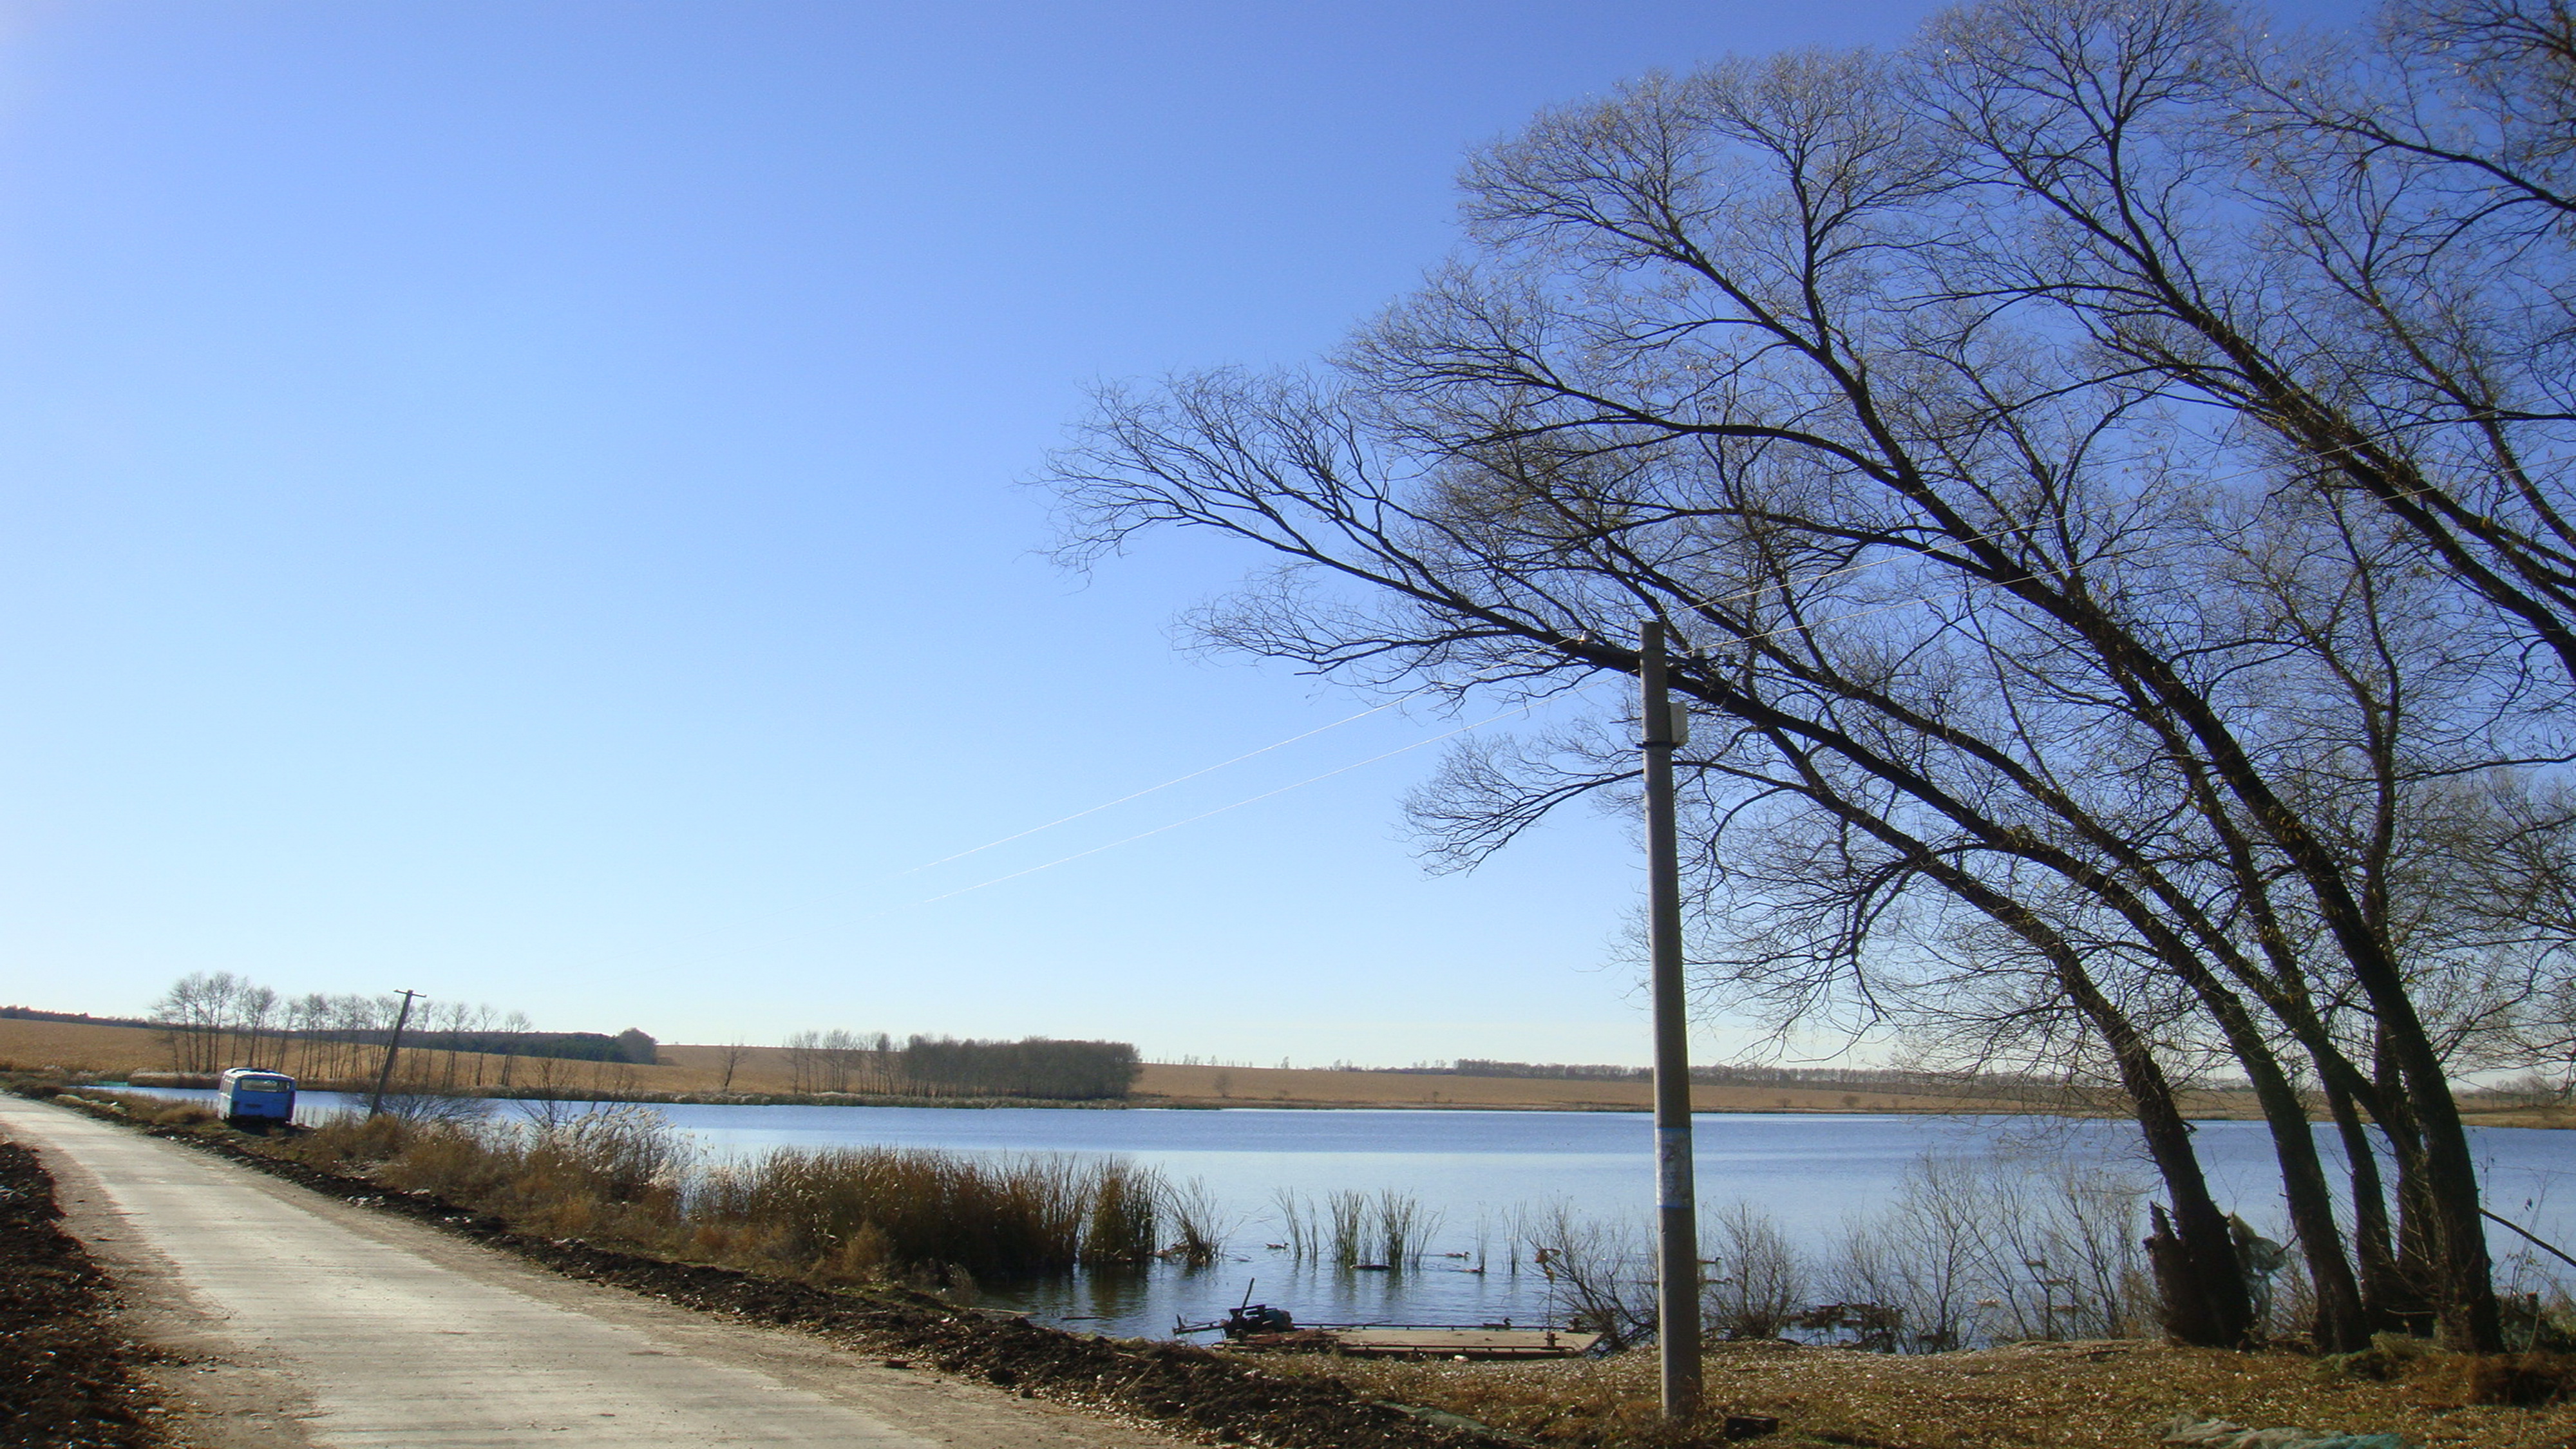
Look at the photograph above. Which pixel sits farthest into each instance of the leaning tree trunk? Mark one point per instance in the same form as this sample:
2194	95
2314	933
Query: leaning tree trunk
2200	1286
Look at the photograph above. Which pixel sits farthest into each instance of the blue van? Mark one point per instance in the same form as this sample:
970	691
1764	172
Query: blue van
249	1097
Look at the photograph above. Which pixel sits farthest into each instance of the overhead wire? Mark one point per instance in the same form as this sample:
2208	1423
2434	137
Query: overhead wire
1151	789
1519	709
1696	603
1701	602
1239	804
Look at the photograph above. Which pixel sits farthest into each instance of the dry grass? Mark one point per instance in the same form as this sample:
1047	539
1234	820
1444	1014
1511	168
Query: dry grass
2104	1395
152	1110
855	1215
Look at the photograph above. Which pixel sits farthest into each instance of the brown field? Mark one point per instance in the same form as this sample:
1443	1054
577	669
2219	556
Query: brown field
1302	1087
78	1048
696	1068
700	1068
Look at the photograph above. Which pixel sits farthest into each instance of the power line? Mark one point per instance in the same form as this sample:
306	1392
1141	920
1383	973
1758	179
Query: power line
1152	789
1237	805
1094	810
1700	602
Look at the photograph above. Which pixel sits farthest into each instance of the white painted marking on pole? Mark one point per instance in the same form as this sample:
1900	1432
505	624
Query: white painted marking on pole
1672	1167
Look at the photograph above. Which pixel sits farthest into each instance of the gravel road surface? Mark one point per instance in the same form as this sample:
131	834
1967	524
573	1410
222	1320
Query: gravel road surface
300	1319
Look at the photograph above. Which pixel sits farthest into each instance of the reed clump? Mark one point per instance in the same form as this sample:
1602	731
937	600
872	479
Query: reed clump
868	1211
1404	1228
1199	1224
1345	1237
858	1214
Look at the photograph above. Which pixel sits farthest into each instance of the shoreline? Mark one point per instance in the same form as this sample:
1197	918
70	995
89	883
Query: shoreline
701	1074
2523	1118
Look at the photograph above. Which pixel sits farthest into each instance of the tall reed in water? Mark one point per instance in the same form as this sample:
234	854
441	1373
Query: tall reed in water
1297	1219
1123	1202
1404	1229
1198	1223
1347	1216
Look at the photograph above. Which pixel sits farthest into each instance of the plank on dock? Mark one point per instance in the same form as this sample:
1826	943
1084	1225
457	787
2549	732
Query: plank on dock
1470	1342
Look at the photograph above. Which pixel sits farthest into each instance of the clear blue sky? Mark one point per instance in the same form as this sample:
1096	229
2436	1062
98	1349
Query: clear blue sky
521	501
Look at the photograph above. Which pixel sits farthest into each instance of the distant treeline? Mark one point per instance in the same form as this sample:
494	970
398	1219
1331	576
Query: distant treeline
630	1045
79	1018
923	1066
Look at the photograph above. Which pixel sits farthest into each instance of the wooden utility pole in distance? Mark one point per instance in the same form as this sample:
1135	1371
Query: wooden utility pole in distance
376	1103
1676	1207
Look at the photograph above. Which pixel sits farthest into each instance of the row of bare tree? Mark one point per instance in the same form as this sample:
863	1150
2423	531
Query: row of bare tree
214	1020
2106	465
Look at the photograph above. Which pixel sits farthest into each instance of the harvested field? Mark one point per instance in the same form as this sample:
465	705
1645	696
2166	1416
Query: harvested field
1167	1085
67	1378
2105	1395
77	1047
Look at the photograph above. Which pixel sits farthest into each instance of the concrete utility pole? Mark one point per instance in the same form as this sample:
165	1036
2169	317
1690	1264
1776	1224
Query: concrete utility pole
1676	1207
376	1103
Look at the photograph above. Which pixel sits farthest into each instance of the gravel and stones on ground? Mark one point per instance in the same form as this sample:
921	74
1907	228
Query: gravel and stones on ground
67	1378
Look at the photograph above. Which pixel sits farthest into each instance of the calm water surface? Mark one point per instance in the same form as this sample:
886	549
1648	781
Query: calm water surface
1476	1170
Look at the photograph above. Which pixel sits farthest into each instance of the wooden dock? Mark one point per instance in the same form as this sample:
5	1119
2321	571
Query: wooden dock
1396	1341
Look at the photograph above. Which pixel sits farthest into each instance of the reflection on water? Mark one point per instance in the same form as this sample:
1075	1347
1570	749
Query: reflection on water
1475	1171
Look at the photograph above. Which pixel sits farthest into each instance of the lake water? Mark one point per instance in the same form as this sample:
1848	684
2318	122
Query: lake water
1476	1170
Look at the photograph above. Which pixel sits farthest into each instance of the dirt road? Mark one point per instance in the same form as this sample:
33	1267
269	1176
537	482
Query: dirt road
304	1320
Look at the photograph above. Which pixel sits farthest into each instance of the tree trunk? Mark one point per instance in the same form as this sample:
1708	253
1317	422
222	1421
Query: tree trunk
2340	1325
2194	1261
2386	1297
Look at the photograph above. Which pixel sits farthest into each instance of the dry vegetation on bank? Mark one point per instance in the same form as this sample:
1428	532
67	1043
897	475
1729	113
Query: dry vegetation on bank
2104	1395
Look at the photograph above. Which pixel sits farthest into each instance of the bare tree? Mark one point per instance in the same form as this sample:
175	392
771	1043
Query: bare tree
2027	721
